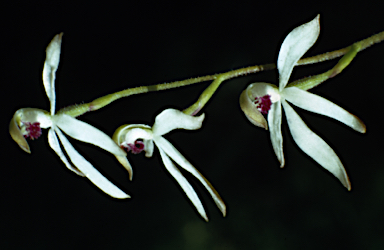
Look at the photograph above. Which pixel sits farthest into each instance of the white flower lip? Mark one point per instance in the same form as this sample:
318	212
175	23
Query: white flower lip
165	122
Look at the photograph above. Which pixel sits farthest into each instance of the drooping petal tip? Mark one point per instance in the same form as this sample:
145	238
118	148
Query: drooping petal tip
348	184
274	121
123	160
171	119
314	146
176	156
360	126
184	184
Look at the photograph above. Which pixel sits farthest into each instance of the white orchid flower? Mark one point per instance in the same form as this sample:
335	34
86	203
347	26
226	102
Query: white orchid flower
268	99
136	138
27	122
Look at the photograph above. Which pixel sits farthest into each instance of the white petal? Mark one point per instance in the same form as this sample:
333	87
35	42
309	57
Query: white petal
50	66
298	41
274	122
175	155
314	146
89	171
54	143
188	189
87	133
171	119
322	106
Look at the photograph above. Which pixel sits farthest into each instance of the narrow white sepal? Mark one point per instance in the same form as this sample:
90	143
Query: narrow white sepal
49	71
175	155
184	184
314	146
171	119
84	132
294	46
54	143
89	171
322	106
274	122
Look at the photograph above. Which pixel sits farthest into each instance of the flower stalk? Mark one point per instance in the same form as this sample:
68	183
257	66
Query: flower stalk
80	109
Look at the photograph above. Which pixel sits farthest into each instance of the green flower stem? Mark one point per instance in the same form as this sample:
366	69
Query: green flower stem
337	53
313	81
306	83
210	90
79	109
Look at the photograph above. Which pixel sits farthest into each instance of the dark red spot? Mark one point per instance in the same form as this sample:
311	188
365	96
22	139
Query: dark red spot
33	130
263	103
135	148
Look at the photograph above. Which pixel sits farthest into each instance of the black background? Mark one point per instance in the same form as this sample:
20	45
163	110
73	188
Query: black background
108	47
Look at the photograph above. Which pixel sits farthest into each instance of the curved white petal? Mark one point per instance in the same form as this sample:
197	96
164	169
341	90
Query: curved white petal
274	121
248	98
50	66
322	106
127	134
184	184
16	133
251	111
124	161
171	119
87	133
148	148
314	146
298	41
135	133
175	155
89	171
54	143
259	89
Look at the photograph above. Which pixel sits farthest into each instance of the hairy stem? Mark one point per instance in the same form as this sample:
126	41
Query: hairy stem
79	109
313	81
